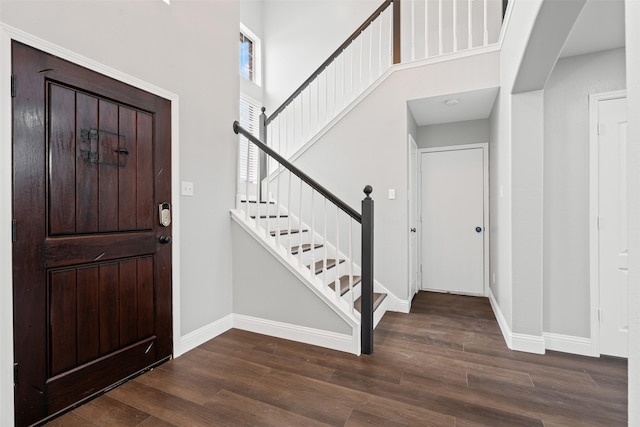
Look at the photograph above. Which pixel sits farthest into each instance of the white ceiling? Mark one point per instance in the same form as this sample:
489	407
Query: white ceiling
600	26
471	106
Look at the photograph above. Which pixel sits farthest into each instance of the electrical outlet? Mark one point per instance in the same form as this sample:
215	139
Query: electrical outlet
187	188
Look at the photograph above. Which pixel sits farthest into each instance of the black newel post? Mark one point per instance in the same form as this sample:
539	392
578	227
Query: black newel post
262	157
366	334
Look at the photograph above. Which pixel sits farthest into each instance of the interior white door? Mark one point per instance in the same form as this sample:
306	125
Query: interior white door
612	219
413	218
452	209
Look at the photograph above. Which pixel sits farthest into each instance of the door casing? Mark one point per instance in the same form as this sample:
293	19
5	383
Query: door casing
484	146
594	201
412	214
7	34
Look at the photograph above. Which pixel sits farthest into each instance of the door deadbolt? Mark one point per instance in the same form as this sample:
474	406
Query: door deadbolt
164	214
478	229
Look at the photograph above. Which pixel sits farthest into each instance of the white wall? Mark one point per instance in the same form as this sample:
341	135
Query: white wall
566	185
296	39
632	26
456	133
192	51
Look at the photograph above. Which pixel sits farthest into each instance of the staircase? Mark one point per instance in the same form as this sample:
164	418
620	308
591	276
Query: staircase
329	269
323	241
324	261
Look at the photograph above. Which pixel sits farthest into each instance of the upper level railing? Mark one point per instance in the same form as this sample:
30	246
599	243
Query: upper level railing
306	213
432	28
372	48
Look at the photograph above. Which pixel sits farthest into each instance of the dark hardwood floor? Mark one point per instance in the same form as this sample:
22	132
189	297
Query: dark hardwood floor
445	364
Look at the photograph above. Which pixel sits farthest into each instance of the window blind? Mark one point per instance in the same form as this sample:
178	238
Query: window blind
250	120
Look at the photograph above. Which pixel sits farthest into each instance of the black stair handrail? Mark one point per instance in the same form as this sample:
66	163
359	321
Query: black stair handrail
297	172
366	222
343	46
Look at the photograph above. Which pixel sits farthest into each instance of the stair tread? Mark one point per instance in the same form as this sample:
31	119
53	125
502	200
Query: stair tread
377	300
305	248
319	265
344	284
284	232
261	202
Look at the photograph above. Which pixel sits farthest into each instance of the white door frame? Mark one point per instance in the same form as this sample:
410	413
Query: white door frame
410	291
485	169
7	34
594	202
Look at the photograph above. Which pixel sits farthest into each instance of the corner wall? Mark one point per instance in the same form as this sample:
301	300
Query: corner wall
567	302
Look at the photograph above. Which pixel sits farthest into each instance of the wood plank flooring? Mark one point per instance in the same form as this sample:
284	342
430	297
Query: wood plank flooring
445	364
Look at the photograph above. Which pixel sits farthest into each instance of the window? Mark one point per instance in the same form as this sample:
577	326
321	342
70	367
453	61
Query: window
250	120
246	57
249	55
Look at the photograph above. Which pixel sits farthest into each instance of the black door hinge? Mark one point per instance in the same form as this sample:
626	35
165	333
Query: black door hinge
15	374
13	85
14	230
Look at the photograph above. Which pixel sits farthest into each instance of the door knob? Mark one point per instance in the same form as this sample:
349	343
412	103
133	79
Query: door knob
165	239
413	229
478	229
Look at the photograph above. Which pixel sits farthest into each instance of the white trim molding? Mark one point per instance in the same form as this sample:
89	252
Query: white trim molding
328	339
515	341
202	335
568	344
594	202
7	34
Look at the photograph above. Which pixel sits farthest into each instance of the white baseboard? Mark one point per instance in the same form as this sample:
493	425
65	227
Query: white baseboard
332	340
203	334
518	342
568	344
527	343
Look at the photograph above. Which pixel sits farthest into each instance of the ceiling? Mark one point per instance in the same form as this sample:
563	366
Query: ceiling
600	26
472	105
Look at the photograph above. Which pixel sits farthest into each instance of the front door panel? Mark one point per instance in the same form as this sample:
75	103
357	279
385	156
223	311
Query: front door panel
92	282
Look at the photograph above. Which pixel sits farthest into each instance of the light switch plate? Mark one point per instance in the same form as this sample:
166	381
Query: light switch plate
187	188
392	193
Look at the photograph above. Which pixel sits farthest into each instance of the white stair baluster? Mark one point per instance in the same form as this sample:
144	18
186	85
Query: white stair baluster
469	24
413	30
426	28
337	280
486	30
290	240
326	241
300	227
439	27
313	233
455	25
351	262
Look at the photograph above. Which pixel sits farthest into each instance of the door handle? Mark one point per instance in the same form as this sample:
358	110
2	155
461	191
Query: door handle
478	229
413	229
165	239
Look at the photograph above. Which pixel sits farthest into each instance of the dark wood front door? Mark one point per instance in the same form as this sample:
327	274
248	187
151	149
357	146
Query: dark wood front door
91	261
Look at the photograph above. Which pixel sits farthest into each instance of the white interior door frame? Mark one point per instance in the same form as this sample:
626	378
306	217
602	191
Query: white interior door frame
412	168
594	202
484	146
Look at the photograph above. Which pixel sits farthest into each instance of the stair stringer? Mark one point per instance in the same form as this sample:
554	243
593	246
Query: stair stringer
323	292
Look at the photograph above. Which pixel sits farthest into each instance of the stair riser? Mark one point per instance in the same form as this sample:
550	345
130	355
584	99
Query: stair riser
278	223
262	209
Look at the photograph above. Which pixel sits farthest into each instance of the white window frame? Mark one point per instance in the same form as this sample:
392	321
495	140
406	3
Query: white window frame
257	54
